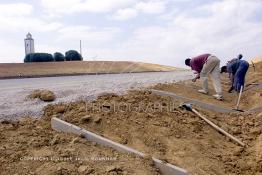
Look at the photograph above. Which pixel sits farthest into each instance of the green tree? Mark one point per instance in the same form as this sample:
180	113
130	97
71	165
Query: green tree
38	57
73	55
59	56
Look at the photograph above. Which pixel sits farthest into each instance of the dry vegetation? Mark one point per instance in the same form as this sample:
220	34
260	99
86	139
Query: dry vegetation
12	70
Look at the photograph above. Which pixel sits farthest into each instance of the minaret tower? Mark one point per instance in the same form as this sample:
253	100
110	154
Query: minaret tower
29	44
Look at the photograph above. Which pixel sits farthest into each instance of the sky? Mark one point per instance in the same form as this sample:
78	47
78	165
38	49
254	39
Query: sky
157	31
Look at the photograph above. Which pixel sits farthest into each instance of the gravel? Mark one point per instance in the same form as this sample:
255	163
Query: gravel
14	105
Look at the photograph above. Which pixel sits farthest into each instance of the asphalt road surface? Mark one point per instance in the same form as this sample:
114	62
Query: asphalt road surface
13	92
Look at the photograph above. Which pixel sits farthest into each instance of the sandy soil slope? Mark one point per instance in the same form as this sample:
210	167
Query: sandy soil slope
257	59
32	147
11	70
149	123
157	126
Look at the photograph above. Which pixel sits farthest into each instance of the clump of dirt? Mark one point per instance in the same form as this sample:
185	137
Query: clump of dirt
44	95
157	126
32	147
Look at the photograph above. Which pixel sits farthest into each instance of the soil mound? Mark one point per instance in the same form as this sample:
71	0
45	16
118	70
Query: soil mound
157	126
44	95
32	147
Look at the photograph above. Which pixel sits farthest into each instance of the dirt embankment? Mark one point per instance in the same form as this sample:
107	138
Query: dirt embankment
16	70
146	122
141	120
32	147
251	97
158	127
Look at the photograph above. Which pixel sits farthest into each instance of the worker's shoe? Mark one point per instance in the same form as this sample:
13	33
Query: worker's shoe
218	97
202	91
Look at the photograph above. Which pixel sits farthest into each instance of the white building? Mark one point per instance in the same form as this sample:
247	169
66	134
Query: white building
29	44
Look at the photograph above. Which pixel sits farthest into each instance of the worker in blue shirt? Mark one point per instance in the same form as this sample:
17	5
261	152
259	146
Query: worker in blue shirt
237	69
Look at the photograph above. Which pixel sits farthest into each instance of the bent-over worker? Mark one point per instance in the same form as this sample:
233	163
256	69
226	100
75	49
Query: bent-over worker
204	65
237	70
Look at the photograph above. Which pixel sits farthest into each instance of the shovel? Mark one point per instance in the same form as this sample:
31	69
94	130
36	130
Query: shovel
188	107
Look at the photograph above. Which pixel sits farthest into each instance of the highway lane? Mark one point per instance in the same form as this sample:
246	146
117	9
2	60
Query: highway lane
73	88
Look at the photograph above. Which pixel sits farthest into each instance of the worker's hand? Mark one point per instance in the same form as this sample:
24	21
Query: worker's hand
198	76
194	79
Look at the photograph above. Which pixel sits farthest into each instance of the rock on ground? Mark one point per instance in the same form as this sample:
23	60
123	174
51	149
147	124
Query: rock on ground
44	95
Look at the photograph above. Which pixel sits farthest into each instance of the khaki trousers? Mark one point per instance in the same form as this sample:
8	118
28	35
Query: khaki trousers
212	67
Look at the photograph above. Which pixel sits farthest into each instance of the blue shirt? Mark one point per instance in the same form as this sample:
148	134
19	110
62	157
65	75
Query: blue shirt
233	66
